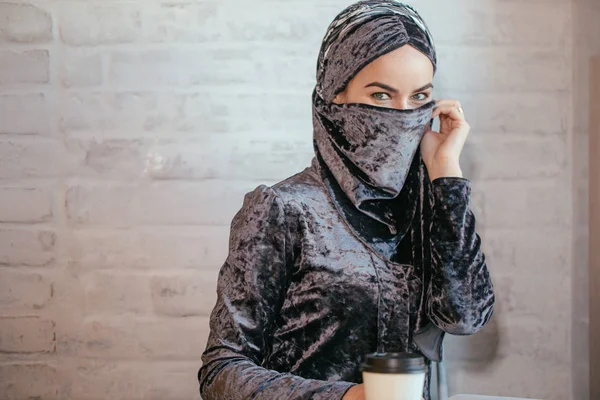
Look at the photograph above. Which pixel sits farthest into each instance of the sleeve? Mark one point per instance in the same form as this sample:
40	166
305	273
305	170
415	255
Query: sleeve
250	291
460	294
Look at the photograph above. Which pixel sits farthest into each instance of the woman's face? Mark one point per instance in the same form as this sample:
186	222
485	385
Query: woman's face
400	79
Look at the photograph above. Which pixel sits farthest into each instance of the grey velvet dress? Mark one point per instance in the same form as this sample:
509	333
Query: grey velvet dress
302	297
359	253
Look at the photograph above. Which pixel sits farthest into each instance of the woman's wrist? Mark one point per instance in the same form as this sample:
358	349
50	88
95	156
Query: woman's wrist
445	171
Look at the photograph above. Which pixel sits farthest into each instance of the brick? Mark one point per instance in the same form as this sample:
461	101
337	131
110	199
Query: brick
529	252
31	157
94	24
121	112
124	159
171	249
167	203
32	381
171	381
499	113
502	23
116	293
502	69
25	204
191	340
293	21
132	114
20	291
27	335
142	338
289	22
24	114
24	67
291	68
81	69
28	247
24	23
251	111
511	158
184	295
240	157
126	380
98	379
520	204
530	298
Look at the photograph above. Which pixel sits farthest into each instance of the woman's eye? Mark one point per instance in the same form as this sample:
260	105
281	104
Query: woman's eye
381	96
420	96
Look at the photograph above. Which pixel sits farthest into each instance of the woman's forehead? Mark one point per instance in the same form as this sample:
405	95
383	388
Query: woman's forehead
405	68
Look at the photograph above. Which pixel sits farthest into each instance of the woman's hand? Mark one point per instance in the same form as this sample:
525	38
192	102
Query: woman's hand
441	150
355	393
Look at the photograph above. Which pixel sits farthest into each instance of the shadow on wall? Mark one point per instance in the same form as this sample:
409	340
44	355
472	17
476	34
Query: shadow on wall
472	355
475	353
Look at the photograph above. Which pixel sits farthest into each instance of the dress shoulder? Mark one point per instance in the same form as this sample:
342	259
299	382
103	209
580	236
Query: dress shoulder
286	202
261	211
304	187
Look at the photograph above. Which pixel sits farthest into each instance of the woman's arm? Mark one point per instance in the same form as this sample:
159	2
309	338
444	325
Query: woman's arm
460	295
251	289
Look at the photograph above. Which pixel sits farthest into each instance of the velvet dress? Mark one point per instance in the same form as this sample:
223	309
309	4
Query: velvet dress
307	290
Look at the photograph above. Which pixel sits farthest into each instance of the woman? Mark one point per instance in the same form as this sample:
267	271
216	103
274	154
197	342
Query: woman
372	248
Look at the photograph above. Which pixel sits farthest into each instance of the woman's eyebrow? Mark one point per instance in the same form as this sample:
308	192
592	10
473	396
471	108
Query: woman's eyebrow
393	90
429	85
383	86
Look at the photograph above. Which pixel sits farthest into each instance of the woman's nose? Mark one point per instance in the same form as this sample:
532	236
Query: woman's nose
403	104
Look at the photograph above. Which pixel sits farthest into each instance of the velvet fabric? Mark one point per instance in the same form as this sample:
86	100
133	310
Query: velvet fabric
369	151
363	32
302	297
358	253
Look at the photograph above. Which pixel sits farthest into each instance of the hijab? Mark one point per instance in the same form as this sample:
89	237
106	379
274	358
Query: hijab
368	155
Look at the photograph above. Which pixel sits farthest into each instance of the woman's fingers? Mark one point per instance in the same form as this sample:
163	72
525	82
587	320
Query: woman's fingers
452	108
453	125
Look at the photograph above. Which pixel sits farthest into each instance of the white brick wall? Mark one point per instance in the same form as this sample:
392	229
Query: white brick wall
25	23
19	67
27	335
25	246
131	130
14	121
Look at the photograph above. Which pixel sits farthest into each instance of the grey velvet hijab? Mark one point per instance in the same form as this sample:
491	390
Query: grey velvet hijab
368	150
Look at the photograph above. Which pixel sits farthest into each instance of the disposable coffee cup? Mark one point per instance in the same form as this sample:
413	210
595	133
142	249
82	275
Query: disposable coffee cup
394	376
